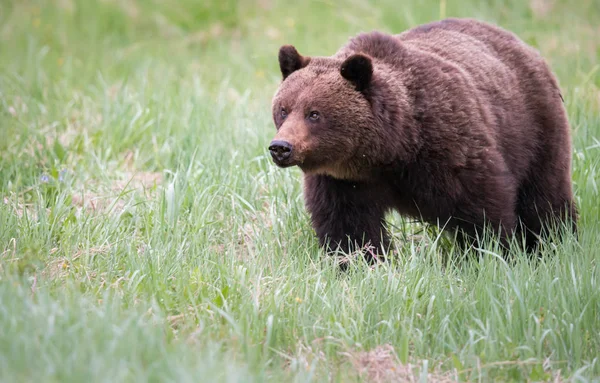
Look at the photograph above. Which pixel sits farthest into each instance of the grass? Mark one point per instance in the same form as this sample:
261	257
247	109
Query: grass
146	236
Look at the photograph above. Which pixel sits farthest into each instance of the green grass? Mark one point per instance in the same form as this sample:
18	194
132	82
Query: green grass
146	236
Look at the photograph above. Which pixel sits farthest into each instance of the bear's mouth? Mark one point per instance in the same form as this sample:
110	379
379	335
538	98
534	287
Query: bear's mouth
285	162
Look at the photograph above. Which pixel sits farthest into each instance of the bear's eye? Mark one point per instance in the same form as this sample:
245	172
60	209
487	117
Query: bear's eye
283	113
314	115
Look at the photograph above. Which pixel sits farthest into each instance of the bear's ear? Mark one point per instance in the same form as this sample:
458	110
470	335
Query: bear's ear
290	60
358	69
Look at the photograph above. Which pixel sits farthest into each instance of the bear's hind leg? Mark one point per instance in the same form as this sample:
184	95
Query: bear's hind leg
489	208
544	207
545	197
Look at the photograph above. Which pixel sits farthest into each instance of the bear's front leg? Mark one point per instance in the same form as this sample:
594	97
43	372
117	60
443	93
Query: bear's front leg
347	215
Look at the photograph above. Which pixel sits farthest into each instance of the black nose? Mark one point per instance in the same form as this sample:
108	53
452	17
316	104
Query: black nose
280	150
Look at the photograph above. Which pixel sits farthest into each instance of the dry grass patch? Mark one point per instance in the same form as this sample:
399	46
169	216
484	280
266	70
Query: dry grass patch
541	8
58	267
382	364
100	197
20	208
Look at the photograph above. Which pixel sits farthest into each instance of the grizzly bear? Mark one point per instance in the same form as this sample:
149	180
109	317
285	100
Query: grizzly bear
457	123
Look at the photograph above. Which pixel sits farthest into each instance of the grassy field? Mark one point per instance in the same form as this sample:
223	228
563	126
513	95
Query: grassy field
146	236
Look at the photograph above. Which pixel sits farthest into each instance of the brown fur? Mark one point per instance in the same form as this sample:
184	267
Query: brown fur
456	122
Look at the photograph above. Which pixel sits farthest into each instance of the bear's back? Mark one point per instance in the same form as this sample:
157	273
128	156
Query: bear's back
500	64
478	47
470	81
510	80
494	57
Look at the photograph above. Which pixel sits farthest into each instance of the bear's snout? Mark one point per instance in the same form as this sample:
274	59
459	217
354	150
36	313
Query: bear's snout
281	151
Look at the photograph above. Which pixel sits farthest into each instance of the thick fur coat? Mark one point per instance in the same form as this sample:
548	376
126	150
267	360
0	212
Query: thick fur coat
457	123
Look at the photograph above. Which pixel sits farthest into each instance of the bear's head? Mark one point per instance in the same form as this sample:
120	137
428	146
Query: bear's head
322	114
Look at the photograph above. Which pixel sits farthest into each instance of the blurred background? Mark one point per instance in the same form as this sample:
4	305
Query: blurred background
186	64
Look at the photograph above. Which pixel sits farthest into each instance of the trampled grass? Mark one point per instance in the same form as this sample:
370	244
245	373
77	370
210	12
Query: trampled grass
146	236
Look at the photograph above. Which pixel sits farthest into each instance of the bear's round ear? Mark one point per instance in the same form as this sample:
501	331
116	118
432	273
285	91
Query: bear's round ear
358	69
290	60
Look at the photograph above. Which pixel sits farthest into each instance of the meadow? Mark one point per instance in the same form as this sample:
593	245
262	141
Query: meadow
145	234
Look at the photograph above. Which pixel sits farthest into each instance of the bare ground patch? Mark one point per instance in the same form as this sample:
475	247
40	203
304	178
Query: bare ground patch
58	267
382	364
100	198
20	208
541	8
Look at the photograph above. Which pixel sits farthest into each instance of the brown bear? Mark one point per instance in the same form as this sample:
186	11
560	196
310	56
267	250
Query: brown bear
457	123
